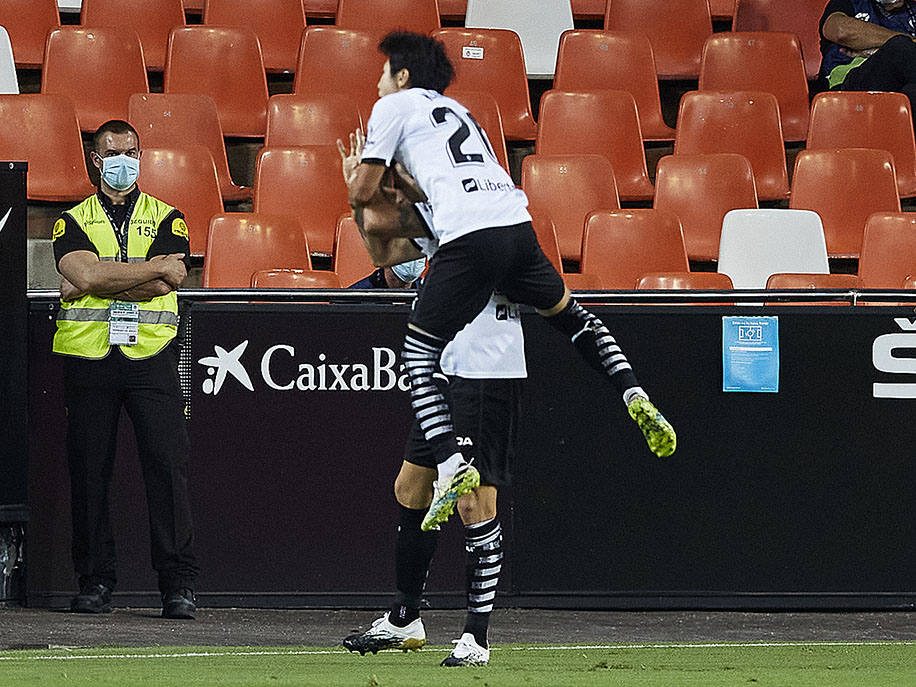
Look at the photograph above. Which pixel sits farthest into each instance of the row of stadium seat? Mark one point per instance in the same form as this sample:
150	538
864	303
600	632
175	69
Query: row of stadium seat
42	130
843	178
239	89
622	249
677	28
229	63
843	186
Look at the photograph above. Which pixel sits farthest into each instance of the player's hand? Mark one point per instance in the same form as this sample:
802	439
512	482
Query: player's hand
173	269
351	158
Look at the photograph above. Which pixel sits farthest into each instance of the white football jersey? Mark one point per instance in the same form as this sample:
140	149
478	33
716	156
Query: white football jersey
491	346
448	153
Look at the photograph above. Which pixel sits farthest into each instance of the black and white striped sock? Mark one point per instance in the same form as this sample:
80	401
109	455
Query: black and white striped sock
421	361
595	343
484	546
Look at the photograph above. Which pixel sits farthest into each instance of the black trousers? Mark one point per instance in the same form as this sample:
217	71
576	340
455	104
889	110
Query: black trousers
94	392
891	68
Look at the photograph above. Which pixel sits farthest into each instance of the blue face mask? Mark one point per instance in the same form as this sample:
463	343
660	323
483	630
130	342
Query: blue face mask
120	171
408	272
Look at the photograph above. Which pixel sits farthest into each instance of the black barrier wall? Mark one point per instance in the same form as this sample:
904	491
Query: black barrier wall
13	380
13	352
298	415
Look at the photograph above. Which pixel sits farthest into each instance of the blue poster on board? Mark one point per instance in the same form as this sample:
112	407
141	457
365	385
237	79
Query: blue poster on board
750	354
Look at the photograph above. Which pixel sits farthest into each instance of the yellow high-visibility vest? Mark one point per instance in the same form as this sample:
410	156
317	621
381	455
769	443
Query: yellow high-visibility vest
82	324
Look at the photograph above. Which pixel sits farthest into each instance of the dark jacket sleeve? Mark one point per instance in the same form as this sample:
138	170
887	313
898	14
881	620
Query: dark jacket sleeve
171	237
67	236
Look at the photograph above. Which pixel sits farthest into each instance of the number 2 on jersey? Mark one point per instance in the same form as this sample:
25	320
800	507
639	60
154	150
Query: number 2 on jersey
460	138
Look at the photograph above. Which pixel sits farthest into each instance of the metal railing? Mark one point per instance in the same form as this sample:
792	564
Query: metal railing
641	297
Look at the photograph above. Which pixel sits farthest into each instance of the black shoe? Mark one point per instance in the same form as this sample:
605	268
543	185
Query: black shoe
95	598
179	605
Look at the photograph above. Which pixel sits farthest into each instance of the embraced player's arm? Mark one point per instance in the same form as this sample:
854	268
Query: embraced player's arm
83	272
389	252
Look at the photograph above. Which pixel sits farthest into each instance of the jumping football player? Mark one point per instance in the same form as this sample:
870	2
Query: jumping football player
486	245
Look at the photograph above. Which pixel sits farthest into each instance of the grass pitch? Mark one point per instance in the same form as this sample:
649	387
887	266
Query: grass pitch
709	665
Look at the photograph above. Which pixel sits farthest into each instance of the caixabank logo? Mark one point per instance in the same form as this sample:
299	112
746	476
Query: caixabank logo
896	354
280	368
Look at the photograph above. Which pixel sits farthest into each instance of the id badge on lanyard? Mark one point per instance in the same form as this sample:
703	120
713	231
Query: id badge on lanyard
123	316
123	323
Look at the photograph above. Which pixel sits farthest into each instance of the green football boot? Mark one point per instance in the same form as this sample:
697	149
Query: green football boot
446	493
656	429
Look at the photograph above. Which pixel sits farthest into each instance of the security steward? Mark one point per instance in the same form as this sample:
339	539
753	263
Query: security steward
122	254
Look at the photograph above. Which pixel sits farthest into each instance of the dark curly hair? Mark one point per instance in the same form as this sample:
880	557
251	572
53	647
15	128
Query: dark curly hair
422	56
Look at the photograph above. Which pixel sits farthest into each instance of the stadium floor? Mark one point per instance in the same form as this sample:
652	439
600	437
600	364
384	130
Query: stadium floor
22	628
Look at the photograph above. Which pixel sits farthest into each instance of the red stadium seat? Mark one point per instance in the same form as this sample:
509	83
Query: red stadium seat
588	9
286	278
568	188
722	9
305	183
800	17
378	17
743	122
240	244
577	123
687	281
180	119
760	61
804	280
888	256
351	261
844	186
78	64
321	8
152	20
859	119
42	130
677	35
607	60
277	23
712	281
343	61
224	63
28	23
452	9
700	189
812	282
546	232
315	119
186	179
623	245
547	237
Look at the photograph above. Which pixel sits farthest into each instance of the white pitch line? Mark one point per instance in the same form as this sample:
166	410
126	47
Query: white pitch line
710	645
582	647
